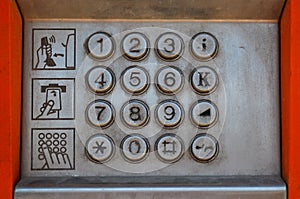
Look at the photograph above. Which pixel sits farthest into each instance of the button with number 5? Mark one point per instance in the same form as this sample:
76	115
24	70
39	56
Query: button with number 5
135	113
135	79
169	113
101	79
100	113
169	46
169	80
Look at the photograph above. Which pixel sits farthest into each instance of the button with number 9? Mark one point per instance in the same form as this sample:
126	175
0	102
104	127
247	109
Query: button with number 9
100	113
135	79
135	113
101	79
169	46
169	80
169	113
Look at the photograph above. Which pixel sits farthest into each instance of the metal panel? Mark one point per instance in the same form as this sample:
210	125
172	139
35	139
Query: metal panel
158	9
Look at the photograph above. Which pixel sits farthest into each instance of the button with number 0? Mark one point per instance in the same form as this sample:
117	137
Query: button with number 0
101	79
135	79
135	46
204	46
135	113
100	113
100	45
169	113
134	148
169	46
204	80
204	113
169	79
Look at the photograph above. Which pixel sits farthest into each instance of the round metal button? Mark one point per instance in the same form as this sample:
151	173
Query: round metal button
204	148
204	80
169	46
100	79
100	45
169	148
100	148
135	113
100	113
134	148
204	113
135	46
135	79
204	46
169	80
169	113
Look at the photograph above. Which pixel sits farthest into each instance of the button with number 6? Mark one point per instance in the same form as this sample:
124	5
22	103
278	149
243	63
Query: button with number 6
135	79
101	79
100	113
169	80
169	46
135	113
169	113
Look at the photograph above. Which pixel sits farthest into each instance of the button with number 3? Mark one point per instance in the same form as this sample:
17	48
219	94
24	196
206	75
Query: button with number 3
169	113
169	46
100	113
135	79
135	113
100	45
135	46
101	79
169	79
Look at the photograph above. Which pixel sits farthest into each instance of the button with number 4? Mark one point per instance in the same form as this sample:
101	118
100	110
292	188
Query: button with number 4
169	80
100	45
135	113
169	46
100	113
101	79
135	79
135	46
169	113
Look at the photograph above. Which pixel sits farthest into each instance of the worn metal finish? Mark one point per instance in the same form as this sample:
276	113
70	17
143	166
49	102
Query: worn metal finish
246	97
263	187
157	9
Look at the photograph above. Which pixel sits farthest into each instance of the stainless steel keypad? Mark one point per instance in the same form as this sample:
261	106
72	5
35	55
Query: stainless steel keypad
148	98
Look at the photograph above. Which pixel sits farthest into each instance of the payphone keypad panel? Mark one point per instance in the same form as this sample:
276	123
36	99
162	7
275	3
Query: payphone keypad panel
176	98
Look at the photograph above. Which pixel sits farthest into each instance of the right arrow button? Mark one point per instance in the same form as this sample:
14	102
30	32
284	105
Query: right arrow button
204	113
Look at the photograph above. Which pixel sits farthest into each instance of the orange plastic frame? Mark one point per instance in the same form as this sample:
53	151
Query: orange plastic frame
10	97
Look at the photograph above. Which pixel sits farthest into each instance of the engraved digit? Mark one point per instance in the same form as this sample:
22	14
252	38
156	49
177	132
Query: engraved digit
169	111
136	147
170	79
134	79
171	44
100	41
100	80
100	110
135	113
136	43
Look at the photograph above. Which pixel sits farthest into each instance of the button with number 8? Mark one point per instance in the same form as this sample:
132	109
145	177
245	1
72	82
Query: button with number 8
169	79
101	79
135	46
169	113
169	46
135	79
100	113
135	113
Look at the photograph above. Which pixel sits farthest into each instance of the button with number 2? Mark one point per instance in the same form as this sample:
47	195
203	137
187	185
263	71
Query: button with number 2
135	46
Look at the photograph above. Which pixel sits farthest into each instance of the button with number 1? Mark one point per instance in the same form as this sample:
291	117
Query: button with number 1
100	113
100	45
